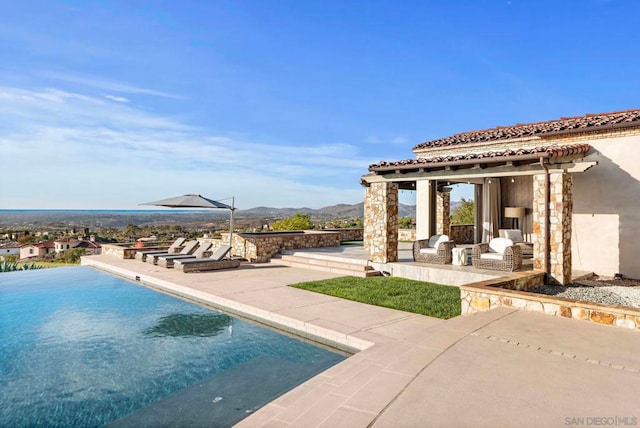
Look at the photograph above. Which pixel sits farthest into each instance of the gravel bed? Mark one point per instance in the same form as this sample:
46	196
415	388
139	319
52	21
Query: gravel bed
585	293
630	294
605	291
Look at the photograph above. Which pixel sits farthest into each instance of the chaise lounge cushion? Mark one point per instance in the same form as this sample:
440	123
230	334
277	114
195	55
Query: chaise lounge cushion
173	249
213	262
169	260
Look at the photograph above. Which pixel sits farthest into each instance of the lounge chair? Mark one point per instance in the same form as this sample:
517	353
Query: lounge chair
189	248
498	254
436	249
201	252
173	248
214	262
516	236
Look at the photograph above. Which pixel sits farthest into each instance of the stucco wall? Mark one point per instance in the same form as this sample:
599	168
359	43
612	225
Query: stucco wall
606	209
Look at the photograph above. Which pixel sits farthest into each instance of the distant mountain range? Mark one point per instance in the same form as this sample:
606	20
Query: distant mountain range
24	219
340	211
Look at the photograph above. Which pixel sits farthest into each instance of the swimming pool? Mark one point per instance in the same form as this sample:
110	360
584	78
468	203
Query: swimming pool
79	347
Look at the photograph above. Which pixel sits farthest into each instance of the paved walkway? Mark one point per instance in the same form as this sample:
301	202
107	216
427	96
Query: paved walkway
499	368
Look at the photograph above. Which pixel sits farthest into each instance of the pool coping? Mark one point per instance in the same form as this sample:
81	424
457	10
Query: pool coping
324	336
395	347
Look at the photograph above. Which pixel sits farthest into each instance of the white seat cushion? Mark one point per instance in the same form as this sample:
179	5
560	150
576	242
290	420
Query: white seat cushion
436	239
514	234
499	245
491	256
428	251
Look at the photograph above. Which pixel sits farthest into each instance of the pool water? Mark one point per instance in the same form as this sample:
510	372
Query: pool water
79	347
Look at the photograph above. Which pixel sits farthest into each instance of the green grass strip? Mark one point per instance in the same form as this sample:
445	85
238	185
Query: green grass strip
425	298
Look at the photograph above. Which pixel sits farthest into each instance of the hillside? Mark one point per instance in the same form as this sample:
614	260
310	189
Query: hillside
340	211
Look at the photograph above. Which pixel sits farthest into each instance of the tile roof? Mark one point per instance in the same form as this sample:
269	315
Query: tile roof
69	240
10	245
89	244
42	244
490	156
565	125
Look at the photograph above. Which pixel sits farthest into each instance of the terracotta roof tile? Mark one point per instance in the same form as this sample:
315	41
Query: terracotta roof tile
41	244
588	122
498	155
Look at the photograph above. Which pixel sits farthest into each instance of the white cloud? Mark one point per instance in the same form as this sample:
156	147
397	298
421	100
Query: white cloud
71	150
117	99
103	84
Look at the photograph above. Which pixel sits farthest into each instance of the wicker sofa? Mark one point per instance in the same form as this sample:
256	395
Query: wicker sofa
498	254
436	249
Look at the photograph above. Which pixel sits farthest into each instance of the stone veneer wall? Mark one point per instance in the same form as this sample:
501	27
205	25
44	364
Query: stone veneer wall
560	211
407	235
381	222
350	234
443	208
487	295
462	233
260	247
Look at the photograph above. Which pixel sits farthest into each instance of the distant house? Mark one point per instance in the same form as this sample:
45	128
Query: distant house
41	249
9	249
64	244
90	247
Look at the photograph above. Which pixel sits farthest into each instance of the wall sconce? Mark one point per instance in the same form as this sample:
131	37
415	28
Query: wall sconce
515	214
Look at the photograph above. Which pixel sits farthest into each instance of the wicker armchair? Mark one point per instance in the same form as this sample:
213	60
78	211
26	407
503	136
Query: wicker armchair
436	249
499	254
516	236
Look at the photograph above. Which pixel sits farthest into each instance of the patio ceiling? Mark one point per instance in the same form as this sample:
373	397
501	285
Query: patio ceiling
497	163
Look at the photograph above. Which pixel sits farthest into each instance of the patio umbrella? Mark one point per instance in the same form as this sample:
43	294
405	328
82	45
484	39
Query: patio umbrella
197	201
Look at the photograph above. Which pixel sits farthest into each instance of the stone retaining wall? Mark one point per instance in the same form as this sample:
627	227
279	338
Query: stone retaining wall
255	247
351	234
128	251
260	247
462	233
487	295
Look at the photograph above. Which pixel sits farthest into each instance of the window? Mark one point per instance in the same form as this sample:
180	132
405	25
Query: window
30	250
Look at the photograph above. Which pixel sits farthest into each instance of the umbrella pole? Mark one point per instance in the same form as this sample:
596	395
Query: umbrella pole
231	226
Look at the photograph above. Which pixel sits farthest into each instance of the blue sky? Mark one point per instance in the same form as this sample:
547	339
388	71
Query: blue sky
282	103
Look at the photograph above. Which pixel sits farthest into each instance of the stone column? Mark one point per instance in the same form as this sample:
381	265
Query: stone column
381	222
367	232
443	211
560	212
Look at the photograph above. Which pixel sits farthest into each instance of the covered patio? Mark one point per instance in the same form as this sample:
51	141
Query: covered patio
514	173
339	257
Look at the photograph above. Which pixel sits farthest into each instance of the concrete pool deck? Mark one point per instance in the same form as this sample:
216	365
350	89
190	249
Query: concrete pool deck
499	368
